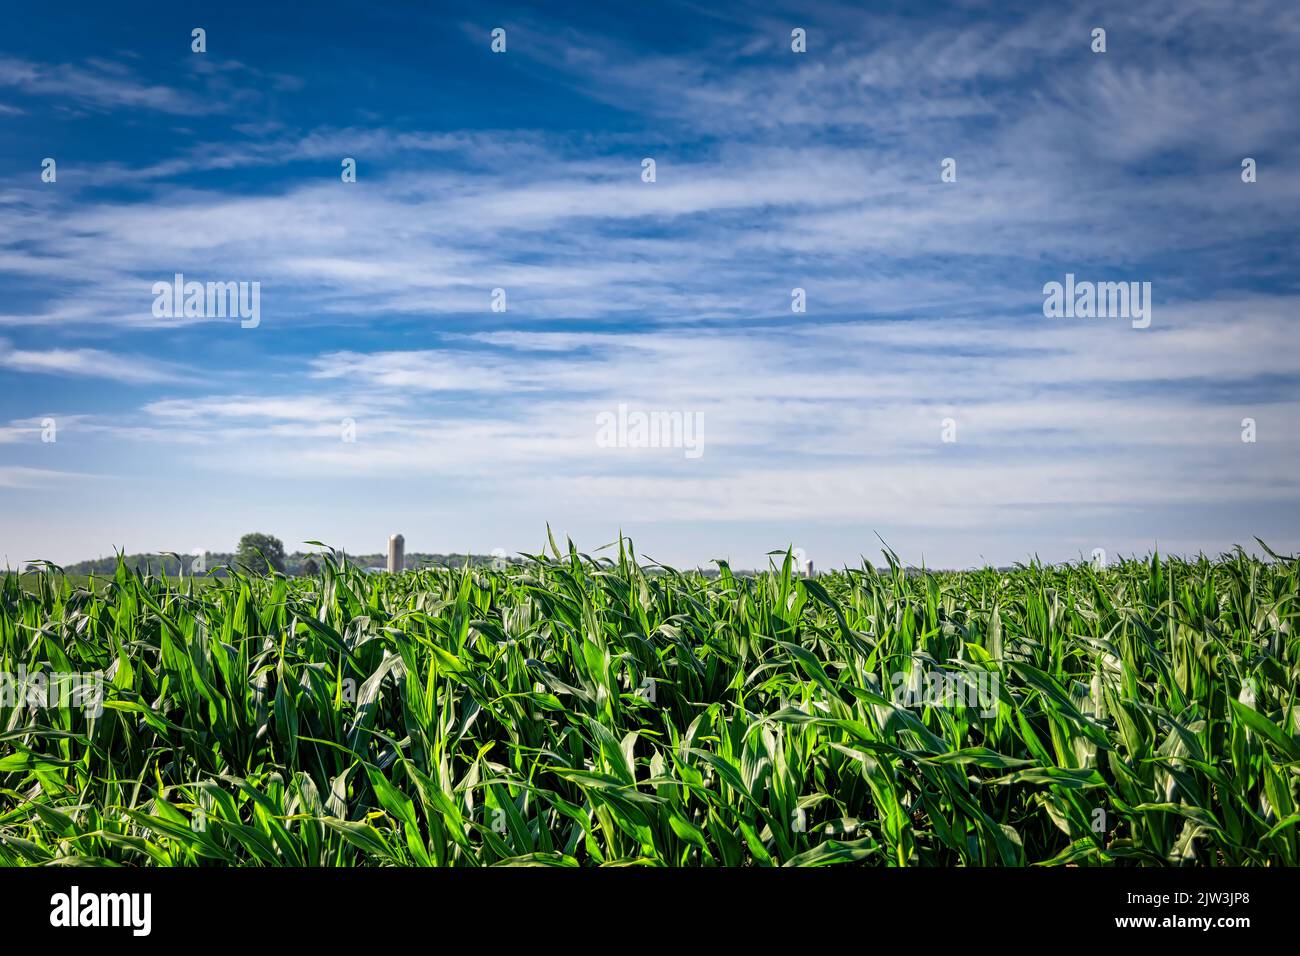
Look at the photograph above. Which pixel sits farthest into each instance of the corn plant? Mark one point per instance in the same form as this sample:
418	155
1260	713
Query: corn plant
577	710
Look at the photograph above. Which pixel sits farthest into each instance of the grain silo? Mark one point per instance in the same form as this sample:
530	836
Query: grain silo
396	553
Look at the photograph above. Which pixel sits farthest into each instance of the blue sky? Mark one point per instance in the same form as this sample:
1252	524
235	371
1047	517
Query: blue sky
775	170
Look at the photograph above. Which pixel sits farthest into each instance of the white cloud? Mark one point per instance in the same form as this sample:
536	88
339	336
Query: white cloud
94	363
99	86
774	171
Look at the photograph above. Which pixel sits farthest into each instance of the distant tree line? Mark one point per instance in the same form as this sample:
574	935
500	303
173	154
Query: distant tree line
259	552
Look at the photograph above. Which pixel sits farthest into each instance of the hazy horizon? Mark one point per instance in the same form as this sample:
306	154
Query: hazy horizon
610	549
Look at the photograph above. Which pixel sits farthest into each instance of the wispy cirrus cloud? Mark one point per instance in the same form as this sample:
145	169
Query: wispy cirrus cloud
775	171
95	363
837	404
98	84
209	85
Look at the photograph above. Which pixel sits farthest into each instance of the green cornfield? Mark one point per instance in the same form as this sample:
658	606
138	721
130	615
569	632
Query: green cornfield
578	710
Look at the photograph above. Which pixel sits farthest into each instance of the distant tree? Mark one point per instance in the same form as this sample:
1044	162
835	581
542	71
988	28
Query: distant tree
310	568
259	553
